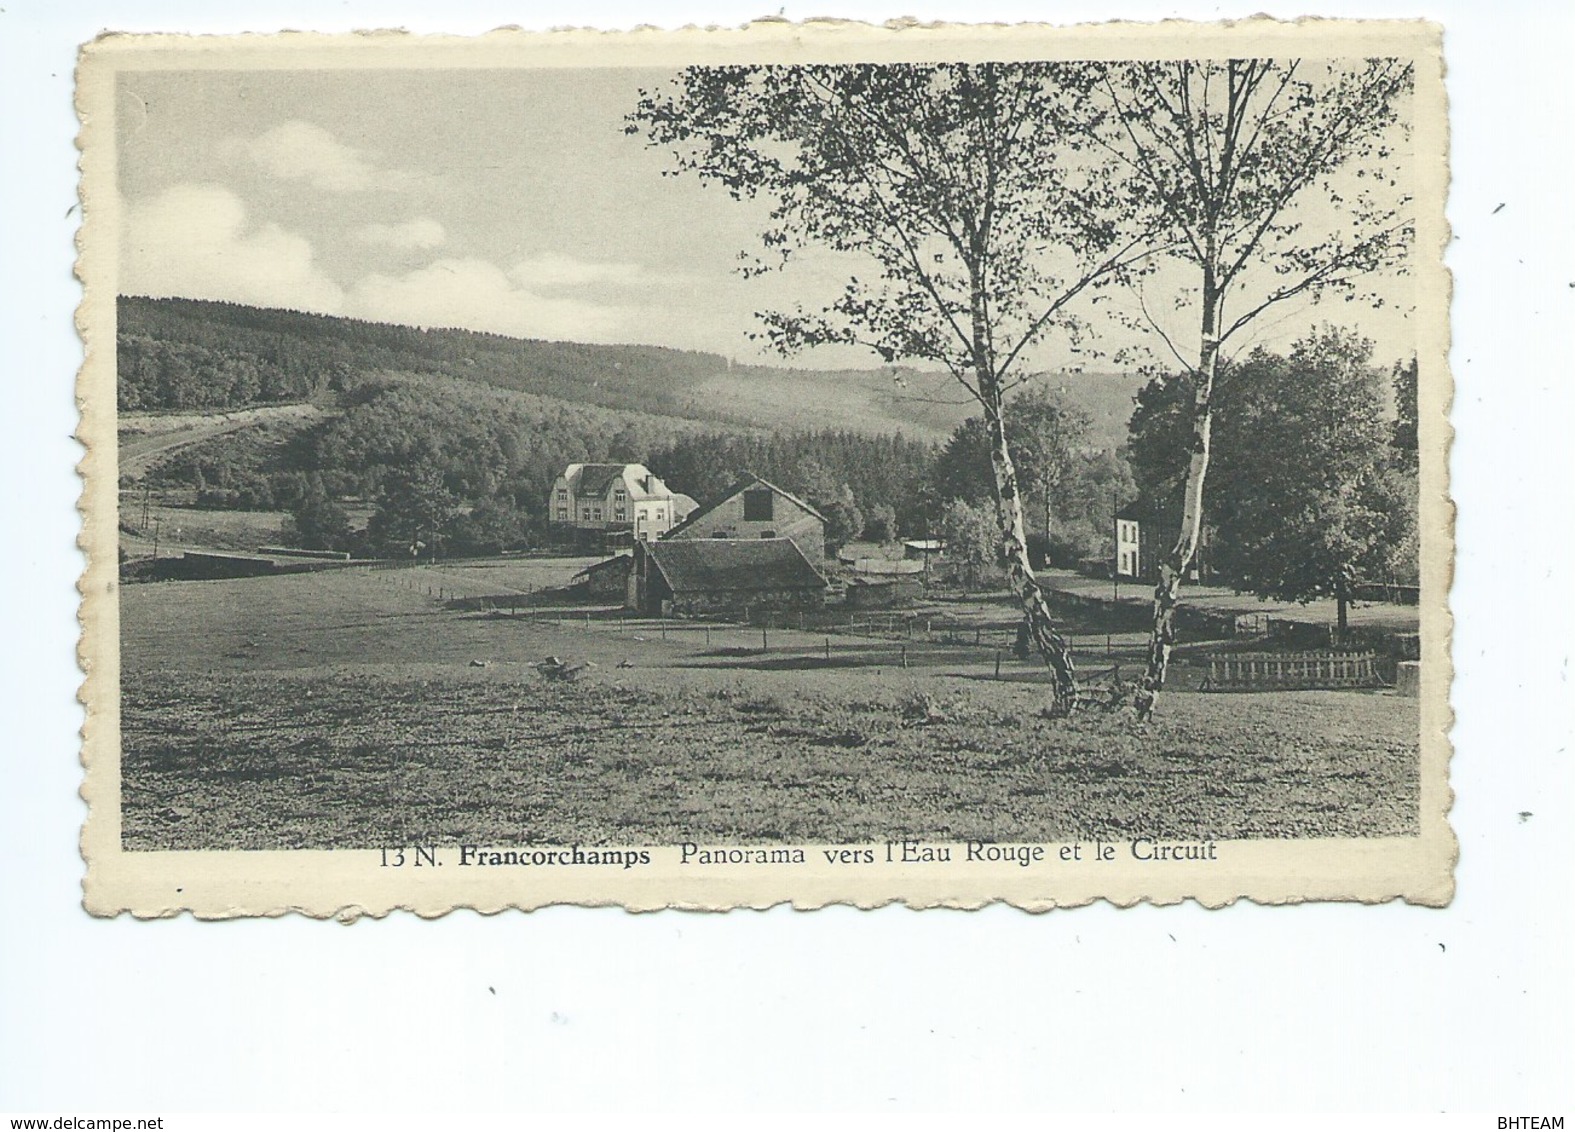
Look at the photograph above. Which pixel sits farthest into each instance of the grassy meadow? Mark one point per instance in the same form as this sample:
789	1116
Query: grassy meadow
352	709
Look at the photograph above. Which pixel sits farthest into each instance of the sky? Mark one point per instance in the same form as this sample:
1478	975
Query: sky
502	200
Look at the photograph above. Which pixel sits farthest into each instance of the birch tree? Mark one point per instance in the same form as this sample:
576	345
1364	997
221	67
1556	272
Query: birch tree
972	200
1278	179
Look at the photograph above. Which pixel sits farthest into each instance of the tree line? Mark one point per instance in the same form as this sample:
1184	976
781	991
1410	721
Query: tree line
471	469
454	465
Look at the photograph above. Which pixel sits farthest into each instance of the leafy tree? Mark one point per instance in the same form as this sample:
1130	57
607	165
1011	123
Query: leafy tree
1277	178
1049	432
1076	490
1310	506
962	468
491	527
1044	434
320	522
1097	485
1307	494
967	191
880	523
835	502
413	511
972	542
1405	438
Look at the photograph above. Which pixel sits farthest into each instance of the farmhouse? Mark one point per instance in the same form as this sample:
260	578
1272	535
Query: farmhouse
616	498
1134	552
716	575
757	509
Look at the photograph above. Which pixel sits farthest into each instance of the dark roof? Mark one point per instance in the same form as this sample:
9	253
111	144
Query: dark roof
595	479
616	562
742	485
694	565
887	567
875	581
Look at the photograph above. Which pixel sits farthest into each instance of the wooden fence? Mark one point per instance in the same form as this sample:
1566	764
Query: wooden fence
1254	671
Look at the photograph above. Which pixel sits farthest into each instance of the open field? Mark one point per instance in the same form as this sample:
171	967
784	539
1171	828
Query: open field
194	528
349	708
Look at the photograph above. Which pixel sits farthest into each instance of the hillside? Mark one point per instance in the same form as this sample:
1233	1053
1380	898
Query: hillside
186	353
919	404
394	455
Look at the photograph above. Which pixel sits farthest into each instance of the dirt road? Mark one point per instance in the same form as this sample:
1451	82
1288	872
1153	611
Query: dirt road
145	436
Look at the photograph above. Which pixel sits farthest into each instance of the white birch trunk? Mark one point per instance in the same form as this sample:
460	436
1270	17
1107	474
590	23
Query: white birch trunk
1055	649
1173	566
1051	645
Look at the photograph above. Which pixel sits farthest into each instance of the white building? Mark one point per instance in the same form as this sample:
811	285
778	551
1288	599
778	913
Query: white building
616	497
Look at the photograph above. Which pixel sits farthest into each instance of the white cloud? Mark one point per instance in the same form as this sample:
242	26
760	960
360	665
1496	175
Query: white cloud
478	295
420	233
554	269
195	241
300	151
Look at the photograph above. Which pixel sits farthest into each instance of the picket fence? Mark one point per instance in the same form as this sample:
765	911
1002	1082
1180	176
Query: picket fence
1252	671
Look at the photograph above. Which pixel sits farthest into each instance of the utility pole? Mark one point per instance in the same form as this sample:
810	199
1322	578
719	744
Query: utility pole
1115	543
1115	567
156	524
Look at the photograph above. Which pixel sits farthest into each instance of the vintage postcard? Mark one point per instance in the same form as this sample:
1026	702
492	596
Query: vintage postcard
809	463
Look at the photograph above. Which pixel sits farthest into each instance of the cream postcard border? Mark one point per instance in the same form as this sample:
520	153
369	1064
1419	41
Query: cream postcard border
350	883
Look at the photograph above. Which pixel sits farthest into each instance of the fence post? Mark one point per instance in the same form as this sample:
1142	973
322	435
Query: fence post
997	664
764	645
828	648
905	656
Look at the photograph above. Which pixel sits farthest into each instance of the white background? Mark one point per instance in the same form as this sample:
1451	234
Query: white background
1293	1008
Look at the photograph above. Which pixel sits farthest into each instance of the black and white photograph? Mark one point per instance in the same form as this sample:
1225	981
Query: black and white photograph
687	560
979	462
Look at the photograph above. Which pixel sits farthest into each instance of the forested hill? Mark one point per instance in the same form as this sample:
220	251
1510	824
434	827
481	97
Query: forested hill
188	353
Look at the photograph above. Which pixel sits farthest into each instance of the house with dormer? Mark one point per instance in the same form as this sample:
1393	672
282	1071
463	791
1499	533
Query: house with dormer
603	499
